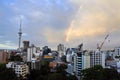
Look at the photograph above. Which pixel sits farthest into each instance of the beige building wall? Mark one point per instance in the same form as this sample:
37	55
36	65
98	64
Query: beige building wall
86	60
3	56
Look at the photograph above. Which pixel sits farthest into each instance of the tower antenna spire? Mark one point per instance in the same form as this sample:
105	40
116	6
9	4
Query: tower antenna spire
20	33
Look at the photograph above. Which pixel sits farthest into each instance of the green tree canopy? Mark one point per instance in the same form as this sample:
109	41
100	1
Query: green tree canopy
7	74
111	74
15	58
45	74
71	77
61	68
56	76
99	73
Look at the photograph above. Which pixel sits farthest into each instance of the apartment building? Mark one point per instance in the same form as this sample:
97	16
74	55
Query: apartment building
20	68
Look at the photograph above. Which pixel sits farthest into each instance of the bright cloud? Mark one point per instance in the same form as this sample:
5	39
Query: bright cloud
93	19
60	21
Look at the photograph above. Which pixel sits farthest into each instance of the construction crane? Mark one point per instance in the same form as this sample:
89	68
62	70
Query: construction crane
100	46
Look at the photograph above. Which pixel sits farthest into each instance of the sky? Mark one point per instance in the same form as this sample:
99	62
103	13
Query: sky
70	22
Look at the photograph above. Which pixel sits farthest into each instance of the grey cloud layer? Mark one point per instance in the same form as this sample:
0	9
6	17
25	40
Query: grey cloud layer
49	22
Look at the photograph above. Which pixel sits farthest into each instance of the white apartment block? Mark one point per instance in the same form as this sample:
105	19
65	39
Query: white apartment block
86	60
78	63
97	58
20	68
78	60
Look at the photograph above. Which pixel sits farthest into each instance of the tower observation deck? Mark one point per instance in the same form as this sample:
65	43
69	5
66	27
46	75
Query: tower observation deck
20	35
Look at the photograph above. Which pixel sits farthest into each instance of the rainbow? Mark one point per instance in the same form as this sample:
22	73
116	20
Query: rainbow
69	31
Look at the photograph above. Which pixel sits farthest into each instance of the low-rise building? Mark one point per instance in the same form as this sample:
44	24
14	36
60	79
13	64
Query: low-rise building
20	68
3	56
48	58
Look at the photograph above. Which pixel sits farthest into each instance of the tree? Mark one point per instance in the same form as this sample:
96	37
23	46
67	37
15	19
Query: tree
111	74
98	73
33	74
7	74
71	77
45	74
45	69
94	73
41	74
15	58
56	76
61	69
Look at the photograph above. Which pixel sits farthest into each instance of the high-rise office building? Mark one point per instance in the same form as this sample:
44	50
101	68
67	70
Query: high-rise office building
30	53
25	45
61	50
60	47
46	50
33	58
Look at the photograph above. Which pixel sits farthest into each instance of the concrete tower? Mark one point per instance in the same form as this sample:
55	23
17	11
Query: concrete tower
20	35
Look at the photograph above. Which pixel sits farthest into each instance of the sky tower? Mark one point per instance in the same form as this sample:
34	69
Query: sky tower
20	35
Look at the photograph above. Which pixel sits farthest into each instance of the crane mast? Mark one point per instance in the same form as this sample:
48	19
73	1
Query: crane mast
100	46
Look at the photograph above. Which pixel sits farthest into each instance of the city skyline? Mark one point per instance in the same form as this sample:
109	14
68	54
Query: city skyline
70	22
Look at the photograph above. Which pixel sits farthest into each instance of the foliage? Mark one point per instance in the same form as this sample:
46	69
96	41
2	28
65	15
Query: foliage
45	74
40	74
111	74
71	77
56	76
61	68
60	76
15	58
35	75
98	73
7	74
